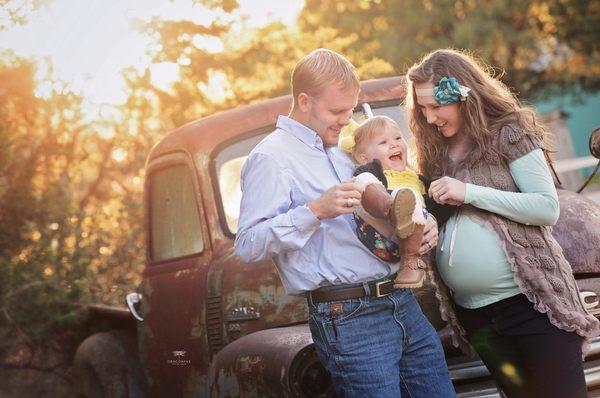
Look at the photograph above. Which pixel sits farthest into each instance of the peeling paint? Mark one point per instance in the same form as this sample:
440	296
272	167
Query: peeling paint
578	232
182	273
228	385
261	364
197	330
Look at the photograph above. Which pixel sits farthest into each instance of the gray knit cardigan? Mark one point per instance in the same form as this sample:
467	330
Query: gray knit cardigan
540	269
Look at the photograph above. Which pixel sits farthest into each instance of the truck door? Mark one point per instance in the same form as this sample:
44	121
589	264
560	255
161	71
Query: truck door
172	339
251	296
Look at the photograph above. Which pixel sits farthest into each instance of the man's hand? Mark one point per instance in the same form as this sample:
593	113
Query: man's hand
430	235
339	199
448	191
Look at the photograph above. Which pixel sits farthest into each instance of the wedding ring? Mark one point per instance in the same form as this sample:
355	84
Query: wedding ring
349	202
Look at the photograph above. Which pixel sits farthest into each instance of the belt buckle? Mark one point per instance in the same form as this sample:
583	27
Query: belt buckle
378	287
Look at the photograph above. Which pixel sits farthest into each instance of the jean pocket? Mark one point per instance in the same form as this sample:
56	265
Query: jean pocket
337	311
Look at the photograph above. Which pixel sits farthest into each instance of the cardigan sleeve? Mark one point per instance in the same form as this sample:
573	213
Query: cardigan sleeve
535	204
514	142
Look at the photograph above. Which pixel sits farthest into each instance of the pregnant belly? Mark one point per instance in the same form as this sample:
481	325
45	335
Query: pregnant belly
479	266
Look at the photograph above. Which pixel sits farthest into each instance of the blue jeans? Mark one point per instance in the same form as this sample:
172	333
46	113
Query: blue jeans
380	347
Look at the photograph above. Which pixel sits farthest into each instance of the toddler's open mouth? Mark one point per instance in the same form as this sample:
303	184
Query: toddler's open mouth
396	157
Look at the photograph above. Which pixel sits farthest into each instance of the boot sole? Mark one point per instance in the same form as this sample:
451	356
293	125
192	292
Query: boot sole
404	207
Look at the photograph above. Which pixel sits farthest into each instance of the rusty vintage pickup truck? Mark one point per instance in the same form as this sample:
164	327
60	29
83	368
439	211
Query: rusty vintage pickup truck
205	324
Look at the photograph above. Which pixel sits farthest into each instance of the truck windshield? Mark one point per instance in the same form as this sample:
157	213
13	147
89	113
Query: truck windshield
230	160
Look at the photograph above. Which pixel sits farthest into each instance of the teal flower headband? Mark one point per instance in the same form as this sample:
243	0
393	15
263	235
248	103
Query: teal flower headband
447	92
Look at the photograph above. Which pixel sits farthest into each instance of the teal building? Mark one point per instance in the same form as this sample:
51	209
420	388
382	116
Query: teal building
582	116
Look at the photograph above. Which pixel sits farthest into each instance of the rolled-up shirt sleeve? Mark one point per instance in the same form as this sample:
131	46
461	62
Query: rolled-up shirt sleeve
270	222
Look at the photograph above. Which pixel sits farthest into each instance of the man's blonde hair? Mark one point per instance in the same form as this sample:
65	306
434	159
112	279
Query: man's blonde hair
319	68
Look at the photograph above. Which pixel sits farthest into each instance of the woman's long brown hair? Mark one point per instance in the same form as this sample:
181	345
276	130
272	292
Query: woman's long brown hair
489	106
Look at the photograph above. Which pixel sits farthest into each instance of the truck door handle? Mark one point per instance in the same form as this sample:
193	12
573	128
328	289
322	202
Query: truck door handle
133	299
589	304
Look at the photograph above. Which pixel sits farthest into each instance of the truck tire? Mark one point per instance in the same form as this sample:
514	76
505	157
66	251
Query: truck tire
106	365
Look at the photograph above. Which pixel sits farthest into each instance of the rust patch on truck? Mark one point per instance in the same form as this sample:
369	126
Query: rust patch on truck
578	231
268	363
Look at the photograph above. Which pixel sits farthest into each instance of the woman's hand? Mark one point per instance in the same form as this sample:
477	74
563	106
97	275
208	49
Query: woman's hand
448	191
430	235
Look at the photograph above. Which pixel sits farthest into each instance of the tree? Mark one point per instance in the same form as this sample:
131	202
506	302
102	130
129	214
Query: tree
538	42
41	262
70	219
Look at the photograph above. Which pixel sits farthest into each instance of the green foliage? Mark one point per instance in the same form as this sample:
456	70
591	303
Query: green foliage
70	219
39	281
538	42
253	65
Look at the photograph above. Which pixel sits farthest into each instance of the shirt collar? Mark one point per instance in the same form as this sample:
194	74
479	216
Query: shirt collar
300	131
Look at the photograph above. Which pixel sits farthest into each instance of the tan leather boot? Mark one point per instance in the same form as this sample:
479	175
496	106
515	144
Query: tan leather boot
412	268
398	211
376	201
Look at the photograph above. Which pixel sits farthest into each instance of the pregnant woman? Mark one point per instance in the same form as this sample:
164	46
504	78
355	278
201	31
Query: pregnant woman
513	291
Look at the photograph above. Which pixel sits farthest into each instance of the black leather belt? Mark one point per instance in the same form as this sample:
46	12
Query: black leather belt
377	289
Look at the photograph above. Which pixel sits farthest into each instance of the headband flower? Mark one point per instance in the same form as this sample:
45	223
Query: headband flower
448	91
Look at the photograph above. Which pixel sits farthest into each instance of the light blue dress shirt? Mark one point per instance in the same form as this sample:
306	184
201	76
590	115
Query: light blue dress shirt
285	171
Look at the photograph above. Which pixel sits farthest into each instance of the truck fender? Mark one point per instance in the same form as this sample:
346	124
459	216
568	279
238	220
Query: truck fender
577	231
279	362
107	365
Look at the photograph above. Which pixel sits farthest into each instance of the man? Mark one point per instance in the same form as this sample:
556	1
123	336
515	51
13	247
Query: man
298	197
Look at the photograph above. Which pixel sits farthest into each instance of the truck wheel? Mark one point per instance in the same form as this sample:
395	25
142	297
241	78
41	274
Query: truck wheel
87	384
106	365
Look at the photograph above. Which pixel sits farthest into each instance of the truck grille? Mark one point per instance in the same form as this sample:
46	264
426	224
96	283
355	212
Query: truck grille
214	323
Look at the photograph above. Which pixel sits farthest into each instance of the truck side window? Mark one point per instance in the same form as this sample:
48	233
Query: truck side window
229	184
174	219
228	164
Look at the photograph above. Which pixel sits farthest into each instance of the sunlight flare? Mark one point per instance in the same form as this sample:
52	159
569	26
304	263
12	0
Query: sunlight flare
90	42
164	74
119	155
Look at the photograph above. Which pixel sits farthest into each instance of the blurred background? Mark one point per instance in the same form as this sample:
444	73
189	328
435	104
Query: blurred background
88	86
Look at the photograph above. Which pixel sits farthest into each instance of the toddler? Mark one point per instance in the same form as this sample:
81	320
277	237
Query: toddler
385	218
